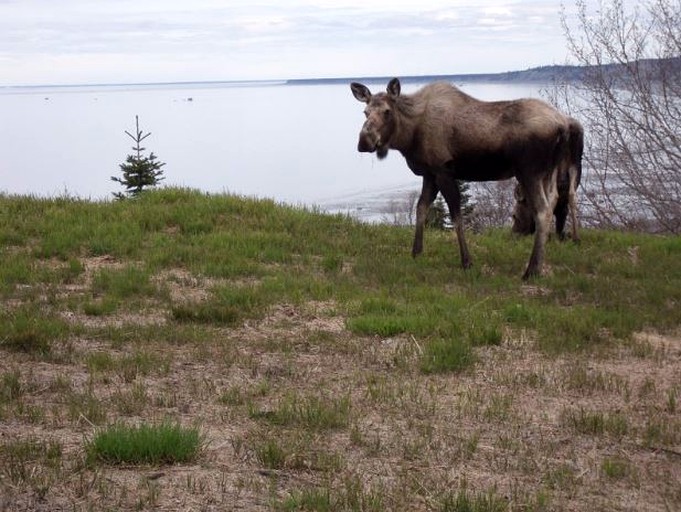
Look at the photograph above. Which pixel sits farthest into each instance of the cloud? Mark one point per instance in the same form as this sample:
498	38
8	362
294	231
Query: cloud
246	39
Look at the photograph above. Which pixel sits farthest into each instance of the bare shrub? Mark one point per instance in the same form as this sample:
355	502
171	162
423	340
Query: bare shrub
487	205
400	211
629	99
492	205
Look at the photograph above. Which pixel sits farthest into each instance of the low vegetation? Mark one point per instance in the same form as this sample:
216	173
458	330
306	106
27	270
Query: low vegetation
146	444
221	352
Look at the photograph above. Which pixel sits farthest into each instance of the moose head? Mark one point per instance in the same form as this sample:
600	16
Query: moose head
380	123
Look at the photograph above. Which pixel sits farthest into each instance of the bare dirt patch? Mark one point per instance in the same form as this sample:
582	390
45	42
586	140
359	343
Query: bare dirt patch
575	432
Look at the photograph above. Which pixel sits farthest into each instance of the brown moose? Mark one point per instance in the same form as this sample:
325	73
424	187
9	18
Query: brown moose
445	135
568	181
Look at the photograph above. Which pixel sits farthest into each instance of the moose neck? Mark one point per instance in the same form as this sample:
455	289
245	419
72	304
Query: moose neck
406	122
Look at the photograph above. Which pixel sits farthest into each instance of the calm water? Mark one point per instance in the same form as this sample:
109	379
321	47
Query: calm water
292	143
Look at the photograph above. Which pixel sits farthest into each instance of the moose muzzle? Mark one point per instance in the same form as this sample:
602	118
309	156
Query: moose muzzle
368	141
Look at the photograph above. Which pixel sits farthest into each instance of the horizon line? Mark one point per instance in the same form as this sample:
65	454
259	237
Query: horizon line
283	81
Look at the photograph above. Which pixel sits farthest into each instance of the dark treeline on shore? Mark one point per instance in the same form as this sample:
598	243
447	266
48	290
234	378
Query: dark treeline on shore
541	74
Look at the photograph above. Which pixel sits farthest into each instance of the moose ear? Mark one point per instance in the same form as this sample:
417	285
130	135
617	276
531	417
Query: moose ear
394	87
361	92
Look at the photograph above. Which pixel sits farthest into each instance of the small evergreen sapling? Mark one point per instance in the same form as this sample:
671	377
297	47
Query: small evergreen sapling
438	217
139	171
466	205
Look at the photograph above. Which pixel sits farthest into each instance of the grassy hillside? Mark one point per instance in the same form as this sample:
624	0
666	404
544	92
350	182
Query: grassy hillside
324	367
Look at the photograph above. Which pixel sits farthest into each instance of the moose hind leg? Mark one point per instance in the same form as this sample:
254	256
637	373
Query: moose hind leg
572	200
450	190
429	192
541	197
561	213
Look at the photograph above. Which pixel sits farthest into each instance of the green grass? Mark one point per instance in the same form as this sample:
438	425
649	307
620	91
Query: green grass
30	330
31	461
11	387
166	443
464	500
616	468
447	355
351	494
227	305
315	413
345	374
594	294
85	408
127	367
596	423
580	378
662	430
294	452
262	254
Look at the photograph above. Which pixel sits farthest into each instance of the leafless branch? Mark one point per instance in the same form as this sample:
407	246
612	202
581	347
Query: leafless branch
630	103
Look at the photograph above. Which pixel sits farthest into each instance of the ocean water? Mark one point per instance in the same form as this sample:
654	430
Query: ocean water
292	143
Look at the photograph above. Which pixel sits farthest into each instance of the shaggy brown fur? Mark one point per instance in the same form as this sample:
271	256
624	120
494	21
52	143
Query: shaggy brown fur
445	134
568	182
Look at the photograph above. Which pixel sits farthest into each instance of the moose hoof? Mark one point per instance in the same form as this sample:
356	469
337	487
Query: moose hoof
530	273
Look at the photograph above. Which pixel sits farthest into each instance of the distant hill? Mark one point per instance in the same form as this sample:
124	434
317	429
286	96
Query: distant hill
542	74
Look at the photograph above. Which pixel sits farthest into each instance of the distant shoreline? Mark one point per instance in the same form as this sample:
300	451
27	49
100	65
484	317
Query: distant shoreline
543	74
537	75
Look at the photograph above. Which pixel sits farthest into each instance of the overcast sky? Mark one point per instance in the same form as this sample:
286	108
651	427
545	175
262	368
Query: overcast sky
124	41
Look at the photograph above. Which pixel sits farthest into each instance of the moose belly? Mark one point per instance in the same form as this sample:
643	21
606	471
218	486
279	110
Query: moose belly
481	166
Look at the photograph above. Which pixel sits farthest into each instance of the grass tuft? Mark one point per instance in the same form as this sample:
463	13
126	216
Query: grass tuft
350	494
596	423
25	461
30	331
464	500
444	355
314	413
165	443
616	468
11	387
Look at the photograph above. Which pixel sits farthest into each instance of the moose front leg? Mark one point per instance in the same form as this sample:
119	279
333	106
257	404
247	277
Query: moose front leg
429	192
452	194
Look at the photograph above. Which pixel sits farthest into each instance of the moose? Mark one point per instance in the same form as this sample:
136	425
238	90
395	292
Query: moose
567	182
446	135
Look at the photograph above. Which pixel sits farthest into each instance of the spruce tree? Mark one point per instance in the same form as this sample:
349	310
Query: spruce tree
437	215
139	171
466	205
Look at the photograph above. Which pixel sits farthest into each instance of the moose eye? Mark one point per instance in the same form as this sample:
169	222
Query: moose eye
387	113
